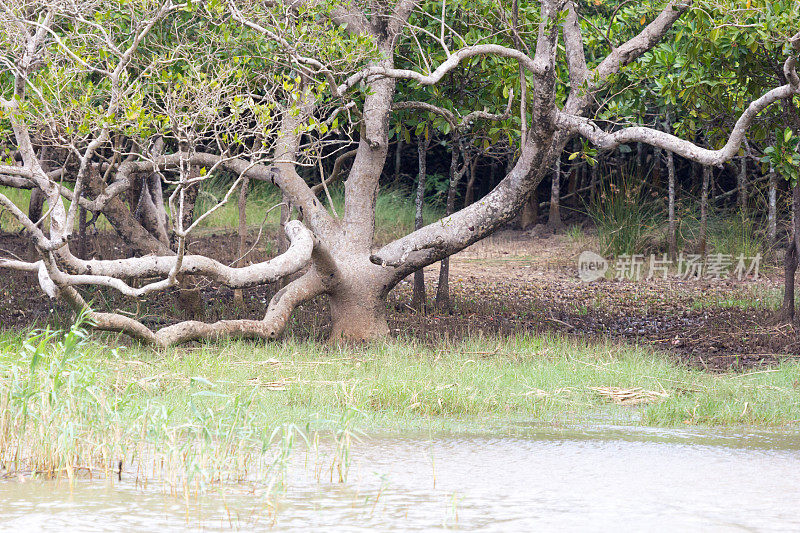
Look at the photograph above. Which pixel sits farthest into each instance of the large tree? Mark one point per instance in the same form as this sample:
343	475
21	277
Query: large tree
153	97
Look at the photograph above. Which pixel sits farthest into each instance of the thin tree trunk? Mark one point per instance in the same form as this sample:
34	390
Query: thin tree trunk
398	158
419	298
640	154
772	219
573	186
82	244
190	198
672	237
38	197
554	218
523	85
595	171
190	298
469	196
655	182
790	262
36	206
741	184
530	211
443	288
238	295
704	210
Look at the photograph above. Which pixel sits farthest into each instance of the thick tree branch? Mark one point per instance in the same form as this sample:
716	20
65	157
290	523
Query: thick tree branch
270	327
641	43
101	272
448	65
588	129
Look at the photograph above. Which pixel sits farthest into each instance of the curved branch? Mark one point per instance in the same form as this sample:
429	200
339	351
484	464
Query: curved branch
336	173
590	130
271	326
644	41
446	114
450	117
105	272
451	63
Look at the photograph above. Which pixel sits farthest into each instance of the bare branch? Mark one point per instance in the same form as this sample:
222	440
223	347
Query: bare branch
448	65
589	129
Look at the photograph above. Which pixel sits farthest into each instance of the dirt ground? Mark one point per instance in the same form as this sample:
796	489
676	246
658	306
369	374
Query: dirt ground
510	283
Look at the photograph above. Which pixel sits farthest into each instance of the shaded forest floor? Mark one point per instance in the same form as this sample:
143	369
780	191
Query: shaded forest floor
513	282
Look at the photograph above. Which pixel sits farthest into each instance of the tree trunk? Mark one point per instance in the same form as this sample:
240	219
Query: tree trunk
790	262
190	298
573	186
595	171
672	237
641	155
655	181
704	210
36	206
530	211
469	196
398	158
554	217
772	219
741	184
442	301
122	219
82	244
358	299
443	288
418	298
238	295
190	198
150	212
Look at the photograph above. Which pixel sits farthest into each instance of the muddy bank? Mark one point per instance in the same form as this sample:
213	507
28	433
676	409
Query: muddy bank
510	283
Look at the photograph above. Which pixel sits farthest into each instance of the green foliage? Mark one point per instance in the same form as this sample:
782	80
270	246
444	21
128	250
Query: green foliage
784	155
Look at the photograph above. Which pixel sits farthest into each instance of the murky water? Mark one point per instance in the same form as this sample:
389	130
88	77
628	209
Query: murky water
530	479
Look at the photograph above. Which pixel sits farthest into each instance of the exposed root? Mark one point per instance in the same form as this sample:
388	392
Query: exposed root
270	327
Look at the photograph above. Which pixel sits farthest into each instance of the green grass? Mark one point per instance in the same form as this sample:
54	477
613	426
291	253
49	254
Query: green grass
193	417
22	199
749	297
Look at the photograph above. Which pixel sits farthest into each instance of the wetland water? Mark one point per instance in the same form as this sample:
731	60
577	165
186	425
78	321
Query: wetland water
600	478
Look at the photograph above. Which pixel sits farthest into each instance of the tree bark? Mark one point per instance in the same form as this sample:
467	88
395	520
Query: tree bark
469	195
443	288
286	212
790	261
190	197
82	246
530	211
573	186
419	298
398	158
655	182
741	184
704	210
672	237
36	206
772	209
554	217
238	295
